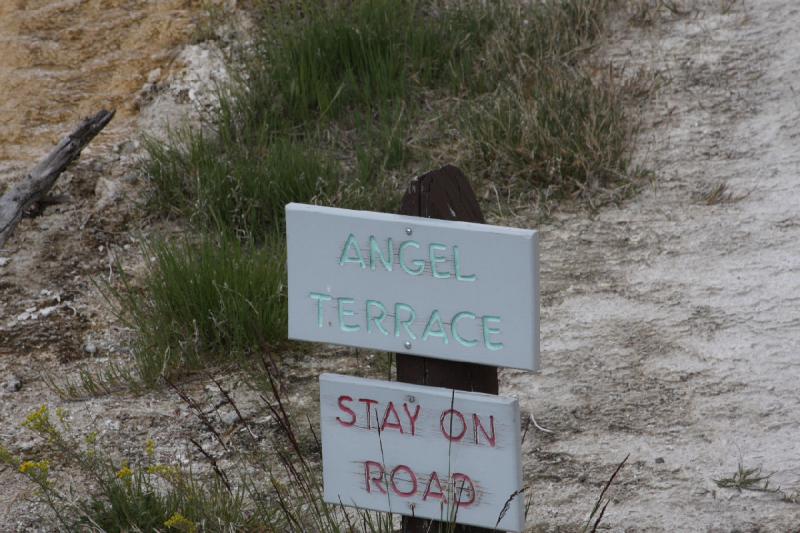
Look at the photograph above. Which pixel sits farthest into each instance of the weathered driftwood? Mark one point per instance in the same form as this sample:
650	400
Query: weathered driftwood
38	182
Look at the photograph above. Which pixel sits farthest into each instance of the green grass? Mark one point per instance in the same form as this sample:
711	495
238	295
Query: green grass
233	187
203	303
366	54
341	103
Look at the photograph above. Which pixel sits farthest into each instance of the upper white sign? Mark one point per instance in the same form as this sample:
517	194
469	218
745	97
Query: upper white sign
453	290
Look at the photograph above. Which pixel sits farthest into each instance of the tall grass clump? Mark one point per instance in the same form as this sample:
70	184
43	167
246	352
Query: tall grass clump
341	103
231	187
327	86
364	54
202	303
367	94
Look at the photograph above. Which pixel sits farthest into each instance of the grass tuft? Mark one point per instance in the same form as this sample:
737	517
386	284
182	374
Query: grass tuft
555	132
235	188
204	303
341	103
324	60
720	193
751	479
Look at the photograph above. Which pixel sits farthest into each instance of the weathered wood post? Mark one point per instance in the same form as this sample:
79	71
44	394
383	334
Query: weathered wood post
443	194
40	180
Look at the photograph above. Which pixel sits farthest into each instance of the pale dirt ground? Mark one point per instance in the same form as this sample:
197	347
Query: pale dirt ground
670	328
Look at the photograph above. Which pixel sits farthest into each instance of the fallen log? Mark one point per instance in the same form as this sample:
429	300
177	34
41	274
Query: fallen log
40	180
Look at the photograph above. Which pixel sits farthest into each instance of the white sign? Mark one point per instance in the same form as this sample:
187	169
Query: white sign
452	290
421	451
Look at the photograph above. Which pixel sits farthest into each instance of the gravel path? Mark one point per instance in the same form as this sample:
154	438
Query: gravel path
670	327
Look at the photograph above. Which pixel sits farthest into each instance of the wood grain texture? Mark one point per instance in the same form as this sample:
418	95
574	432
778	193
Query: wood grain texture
41	179
444	194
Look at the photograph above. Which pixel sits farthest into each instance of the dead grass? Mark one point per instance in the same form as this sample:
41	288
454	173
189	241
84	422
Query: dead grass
720	193
648	12
750	479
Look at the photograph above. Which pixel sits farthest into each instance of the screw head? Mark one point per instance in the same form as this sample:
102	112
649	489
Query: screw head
409	231
407	344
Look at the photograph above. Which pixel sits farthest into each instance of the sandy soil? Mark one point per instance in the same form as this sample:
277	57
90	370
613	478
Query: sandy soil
61	60
670	327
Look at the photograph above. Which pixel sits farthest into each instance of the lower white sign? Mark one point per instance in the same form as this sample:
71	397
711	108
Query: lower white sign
422	451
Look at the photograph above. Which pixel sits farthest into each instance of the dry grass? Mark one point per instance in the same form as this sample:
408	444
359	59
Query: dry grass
720	193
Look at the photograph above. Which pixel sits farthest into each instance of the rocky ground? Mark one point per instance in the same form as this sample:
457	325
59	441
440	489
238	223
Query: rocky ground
670	324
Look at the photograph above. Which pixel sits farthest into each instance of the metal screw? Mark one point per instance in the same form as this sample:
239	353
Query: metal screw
411	399
407	344
409	231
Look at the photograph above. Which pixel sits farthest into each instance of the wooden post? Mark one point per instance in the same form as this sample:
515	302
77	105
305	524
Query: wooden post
447	195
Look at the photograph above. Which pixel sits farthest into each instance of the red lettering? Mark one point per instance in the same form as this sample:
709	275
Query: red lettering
448	432
476	420
412	419
367	402
393	425
412	479
374	478
463	485
429	493
347	410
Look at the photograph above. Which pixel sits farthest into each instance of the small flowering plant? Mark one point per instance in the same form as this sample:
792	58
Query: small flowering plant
148	496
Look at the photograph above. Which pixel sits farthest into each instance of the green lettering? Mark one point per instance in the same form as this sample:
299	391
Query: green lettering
435	319
351	242
435	259
454	328
340	303
378	318
419	263
457	261
412	315
493	346
374	249
320	298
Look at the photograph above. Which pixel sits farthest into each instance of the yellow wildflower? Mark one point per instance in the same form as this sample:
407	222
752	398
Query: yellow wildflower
35	469
150	448
38	420
165	471
124	472
181	523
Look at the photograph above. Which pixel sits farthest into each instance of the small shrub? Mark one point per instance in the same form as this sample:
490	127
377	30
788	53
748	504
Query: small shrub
119	496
